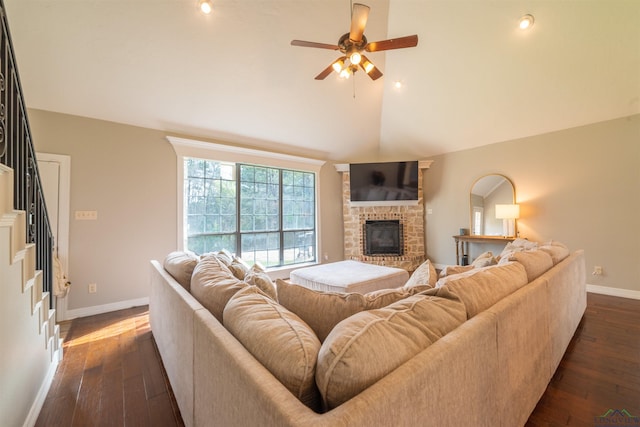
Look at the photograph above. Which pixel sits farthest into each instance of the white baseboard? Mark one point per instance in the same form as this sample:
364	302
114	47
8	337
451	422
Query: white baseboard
615	292
105	308
36	407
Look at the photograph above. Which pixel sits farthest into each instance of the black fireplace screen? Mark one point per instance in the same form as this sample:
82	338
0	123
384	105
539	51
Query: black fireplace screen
383	237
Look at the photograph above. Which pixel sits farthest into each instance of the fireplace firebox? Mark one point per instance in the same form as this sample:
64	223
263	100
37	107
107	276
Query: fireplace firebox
383	237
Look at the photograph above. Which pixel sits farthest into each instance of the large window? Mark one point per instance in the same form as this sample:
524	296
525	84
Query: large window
261	213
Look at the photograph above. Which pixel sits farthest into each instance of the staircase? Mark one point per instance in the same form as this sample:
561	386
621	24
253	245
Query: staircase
29	335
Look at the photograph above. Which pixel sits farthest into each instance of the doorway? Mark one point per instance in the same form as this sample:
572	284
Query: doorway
55	175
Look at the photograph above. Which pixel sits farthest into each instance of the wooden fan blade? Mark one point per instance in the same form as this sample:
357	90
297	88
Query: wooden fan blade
359	18
399	43
303	43
330	68
325	72
373	72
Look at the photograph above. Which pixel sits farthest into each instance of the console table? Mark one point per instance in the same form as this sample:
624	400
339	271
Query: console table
462	244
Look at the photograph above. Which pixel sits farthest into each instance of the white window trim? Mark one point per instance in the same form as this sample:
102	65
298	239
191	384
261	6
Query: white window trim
185	147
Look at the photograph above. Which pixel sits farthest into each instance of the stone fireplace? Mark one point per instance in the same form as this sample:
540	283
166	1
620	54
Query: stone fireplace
405	219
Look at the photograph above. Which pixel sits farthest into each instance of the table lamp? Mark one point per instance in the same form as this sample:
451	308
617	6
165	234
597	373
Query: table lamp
508	214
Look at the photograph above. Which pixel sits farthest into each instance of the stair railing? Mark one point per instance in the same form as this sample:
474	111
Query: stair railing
17	152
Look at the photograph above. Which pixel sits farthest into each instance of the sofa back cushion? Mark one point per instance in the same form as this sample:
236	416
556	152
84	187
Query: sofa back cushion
320	310
369	345
557	250
534	262
257	276
180	266
238	267
485	259
324	310
213	284
480	288
278	339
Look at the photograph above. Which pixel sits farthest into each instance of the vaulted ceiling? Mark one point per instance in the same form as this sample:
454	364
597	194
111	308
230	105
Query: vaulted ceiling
474	79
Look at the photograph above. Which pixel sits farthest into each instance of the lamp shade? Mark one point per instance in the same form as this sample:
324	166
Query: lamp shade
507	211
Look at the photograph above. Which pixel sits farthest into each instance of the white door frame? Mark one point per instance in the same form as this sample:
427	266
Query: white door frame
64	198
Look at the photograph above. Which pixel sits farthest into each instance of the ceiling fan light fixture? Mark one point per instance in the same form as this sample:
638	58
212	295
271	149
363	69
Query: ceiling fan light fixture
345	73
338	66
205	6
355	58
367	66
526	22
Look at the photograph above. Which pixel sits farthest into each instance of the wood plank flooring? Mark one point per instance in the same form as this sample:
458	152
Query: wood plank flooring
112	374
599	371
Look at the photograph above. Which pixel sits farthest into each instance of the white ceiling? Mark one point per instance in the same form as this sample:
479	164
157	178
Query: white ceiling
474	78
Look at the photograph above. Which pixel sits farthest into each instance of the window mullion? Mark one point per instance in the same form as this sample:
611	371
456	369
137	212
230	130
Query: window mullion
280	216
238	211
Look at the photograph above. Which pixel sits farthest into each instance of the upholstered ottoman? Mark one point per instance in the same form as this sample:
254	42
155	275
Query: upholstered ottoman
349	276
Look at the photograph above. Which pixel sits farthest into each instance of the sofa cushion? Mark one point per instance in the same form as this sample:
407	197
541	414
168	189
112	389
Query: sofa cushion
367	346
484	260
224	256
278	339
450	270
518	245
238	267
320	310
557	250
256	276
480	288
385	297
180	266
534	262
425	274
323	310
212	284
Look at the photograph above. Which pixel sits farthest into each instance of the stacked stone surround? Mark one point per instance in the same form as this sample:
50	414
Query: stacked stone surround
410	216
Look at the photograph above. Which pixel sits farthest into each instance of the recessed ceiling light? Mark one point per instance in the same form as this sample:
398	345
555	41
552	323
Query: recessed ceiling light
526	22
397	84
205	6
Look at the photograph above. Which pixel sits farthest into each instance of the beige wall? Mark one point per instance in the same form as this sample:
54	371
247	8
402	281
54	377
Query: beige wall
579	186
128	175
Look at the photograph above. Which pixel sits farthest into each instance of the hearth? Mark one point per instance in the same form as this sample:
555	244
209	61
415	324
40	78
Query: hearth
383	237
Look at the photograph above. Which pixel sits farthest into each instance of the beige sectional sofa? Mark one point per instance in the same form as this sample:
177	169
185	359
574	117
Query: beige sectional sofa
478	349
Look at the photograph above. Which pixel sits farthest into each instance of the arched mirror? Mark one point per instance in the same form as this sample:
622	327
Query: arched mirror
487	192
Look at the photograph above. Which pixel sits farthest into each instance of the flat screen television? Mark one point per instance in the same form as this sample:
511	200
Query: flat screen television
384	183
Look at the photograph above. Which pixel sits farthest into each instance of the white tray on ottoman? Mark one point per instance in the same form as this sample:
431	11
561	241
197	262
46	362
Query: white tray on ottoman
349	276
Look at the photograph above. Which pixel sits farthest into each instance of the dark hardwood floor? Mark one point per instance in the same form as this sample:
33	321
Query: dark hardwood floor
600	370
112	375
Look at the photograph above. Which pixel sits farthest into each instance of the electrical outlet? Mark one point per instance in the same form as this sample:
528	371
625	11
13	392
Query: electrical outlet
93	288
597	270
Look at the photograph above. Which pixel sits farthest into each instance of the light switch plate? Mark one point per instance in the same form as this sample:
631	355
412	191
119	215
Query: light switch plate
86	215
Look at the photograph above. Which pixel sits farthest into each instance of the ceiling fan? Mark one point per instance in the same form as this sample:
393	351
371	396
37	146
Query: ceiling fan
354	43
